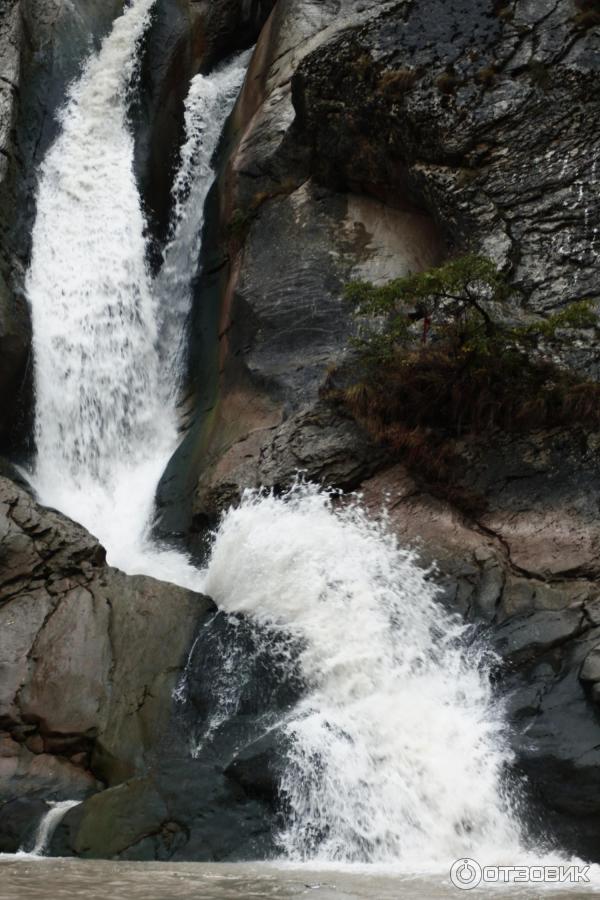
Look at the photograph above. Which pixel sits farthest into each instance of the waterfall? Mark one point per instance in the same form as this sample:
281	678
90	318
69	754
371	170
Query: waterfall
398	753
94	322
49	823
209	102
104	348
397	749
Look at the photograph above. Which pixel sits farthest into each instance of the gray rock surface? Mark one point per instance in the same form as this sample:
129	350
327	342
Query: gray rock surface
89	657
493	123
270	321
371	139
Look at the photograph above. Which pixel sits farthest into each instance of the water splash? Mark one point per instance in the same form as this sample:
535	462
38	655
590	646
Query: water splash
398	749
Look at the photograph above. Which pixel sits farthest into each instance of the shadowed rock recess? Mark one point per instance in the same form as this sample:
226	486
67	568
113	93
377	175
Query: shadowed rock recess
372	138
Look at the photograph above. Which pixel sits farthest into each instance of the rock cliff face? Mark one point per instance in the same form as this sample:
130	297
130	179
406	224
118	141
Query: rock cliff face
89	658
371	139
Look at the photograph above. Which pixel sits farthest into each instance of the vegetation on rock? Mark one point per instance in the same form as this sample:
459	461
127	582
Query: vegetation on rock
441	360
588	15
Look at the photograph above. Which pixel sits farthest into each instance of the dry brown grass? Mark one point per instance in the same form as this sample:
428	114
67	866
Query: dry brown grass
419	405
397	81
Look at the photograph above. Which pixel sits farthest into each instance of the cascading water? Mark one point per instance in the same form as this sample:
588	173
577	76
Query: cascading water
94	322
397	752
209	102
396	749
49	823
105	395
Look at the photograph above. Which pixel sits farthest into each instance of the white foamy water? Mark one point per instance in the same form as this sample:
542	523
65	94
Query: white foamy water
209	102
399	752
48	825
105	420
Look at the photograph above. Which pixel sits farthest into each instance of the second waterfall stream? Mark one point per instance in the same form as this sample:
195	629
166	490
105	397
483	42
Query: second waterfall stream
398	749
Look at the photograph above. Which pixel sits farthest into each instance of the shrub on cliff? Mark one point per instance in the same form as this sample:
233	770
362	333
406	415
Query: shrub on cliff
440	359
444	356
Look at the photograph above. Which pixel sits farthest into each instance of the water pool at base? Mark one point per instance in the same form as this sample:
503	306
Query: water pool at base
67	879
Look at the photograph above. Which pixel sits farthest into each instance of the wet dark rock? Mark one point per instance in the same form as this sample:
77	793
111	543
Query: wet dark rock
89	657
184	810
185	37
555	732
19	820
210	791
259	767
531	635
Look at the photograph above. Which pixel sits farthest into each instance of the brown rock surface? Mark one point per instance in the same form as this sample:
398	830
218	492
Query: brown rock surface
89	656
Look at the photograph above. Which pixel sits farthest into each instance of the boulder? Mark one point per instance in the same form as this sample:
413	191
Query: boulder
206	795
89	657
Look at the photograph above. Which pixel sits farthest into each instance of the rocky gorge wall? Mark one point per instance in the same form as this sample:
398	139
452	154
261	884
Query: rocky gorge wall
371	139
374	139
86	673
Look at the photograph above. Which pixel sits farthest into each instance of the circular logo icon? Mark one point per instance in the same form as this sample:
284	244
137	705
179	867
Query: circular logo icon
465	874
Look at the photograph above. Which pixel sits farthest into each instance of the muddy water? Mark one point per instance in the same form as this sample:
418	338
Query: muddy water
57	879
